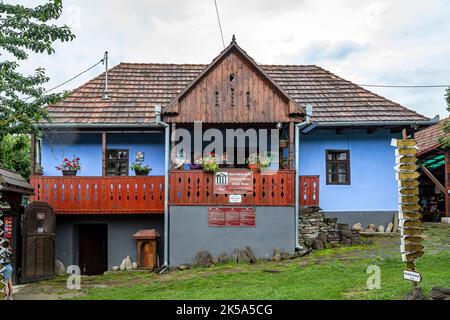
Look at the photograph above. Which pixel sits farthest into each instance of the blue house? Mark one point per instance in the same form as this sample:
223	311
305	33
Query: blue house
329	146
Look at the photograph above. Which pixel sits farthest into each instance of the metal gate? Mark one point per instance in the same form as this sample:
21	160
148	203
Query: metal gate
38	242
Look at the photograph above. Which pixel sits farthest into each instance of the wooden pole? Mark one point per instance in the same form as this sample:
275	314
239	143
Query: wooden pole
447	183
33	154
103	153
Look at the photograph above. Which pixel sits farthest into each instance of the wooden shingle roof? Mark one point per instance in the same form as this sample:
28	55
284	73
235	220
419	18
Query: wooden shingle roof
428	139
14	182
135	88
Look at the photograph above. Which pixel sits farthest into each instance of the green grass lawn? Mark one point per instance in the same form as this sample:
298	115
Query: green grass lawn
338	273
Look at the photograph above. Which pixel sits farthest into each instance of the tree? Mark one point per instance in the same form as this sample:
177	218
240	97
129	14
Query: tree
24	30
445	140
15	153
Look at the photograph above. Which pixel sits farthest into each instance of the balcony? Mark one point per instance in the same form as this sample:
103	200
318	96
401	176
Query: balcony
101	195
190	188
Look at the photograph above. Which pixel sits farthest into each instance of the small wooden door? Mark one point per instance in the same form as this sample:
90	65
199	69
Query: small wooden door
149	254
92	248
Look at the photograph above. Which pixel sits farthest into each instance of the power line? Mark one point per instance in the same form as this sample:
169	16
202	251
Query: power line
73	78
220	26
405	86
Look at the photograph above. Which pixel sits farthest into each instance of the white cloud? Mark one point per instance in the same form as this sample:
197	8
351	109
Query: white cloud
381	42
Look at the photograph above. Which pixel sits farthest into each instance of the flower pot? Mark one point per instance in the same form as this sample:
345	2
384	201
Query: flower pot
195	166
284	143
142	173
253	166
69	172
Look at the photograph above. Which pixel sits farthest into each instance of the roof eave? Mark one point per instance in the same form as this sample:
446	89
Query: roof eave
390	123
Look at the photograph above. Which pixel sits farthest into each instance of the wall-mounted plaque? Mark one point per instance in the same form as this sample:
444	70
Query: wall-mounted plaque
231	217
139	156
233	182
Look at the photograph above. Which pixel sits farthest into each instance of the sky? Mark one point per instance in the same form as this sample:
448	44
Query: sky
401	42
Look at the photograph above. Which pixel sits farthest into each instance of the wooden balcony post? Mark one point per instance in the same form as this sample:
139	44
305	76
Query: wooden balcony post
291	145
103	153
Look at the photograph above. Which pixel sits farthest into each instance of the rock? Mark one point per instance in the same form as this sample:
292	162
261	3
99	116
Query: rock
368	241
370	230
276	255
415	294
223	258
372	226
309	242
318	245
128	264
203	259
244	255
214	260
347	233
347	242
357	227
134	265
445	220
184	266
60	269
323	237
115	268
389	227
380	228
438	293
285	255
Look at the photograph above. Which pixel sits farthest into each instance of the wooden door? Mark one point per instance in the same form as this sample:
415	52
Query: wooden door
149	254
92	250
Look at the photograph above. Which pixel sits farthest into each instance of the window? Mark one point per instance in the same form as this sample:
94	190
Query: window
117	162
338	166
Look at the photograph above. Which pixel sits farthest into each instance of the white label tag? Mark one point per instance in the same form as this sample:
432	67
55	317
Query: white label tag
235	198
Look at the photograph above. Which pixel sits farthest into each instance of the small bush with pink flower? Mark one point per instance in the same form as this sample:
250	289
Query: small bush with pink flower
70	165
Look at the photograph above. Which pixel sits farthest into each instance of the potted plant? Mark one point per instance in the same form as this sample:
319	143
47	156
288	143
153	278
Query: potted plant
264	162
38	170
255	161
70	167
209	163
252	161
141	170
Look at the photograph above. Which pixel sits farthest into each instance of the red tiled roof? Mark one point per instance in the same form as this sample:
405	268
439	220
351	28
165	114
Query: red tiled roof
428	139
135	88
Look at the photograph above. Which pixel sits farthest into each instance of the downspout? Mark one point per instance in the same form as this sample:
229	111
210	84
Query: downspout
298	126
166	185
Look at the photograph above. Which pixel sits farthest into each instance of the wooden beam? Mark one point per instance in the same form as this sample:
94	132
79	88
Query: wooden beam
33	154
173	143
291	145
447	182
433	178
103	153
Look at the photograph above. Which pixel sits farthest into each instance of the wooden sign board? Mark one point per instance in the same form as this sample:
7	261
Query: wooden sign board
231	217
233	182
8	227
412	275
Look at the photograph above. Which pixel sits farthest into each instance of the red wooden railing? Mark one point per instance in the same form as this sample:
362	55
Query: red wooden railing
309	191
72	195
197	188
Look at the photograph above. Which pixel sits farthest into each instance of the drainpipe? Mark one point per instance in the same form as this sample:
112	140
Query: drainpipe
166	185
298	126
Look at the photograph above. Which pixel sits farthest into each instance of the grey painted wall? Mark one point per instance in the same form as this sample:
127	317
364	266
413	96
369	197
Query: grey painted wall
120	235
189	233
364	217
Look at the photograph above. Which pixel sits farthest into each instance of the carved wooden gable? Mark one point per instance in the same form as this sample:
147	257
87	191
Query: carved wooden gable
233	90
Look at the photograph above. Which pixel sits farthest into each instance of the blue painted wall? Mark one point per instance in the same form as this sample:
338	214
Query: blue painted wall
88	146
373	186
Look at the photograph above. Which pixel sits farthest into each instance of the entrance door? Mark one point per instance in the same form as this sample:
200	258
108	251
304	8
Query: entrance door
92	248
38	243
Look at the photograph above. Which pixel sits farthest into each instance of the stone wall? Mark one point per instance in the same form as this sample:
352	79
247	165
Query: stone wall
318	231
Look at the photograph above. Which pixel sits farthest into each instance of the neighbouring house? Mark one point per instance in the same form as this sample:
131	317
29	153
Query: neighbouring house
342	159
434	161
